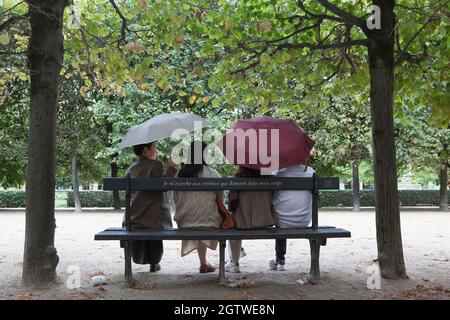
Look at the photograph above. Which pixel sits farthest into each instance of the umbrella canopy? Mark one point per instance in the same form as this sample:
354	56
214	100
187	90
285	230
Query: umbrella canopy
266	142
162	126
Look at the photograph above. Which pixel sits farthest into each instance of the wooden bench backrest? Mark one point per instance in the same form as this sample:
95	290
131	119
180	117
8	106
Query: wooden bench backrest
313	183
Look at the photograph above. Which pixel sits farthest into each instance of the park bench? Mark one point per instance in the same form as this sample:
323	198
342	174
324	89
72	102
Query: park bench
317	235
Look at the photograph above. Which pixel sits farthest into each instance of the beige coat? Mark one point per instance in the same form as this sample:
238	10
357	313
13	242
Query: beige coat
198	209
254	210
146	206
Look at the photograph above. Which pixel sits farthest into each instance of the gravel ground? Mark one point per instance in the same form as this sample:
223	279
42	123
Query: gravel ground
344	262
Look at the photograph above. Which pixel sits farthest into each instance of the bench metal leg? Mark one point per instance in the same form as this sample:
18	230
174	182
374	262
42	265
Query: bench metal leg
222	246
314	273
128	269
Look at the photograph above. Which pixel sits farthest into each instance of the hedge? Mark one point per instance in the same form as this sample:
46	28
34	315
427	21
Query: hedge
95	199
328	198
13	199
344	198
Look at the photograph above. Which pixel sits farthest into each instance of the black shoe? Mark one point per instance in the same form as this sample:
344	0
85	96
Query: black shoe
155	267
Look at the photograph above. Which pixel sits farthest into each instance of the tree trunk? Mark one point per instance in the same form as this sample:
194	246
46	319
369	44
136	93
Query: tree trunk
75	183
443	180
45	56
381	67
355	182
114	173
113	164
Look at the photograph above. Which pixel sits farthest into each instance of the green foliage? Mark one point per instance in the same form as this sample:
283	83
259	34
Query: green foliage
95	199
13	133
328	198
225	60
344	198
425	175
421	145
12	199
280	54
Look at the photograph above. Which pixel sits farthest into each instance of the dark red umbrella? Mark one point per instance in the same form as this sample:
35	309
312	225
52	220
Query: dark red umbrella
266	142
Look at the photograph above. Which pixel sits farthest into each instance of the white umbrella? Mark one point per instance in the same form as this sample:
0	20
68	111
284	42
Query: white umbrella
162	126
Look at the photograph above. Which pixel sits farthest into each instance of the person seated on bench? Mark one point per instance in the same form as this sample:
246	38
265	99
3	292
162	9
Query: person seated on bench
197	209
250	210
293	209
146	211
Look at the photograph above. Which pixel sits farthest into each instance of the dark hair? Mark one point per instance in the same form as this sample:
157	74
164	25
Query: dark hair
244	172
192	168
139	148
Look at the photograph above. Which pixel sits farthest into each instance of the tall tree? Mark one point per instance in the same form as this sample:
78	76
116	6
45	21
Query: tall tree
45	57
423	145
286	53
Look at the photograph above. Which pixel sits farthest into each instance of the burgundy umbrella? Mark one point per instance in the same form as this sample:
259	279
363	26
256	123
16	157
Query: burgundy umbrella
266	142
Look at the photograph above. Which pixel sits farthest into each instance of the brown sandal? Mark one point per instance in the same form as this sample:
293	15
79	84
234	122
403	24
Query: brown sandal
205	268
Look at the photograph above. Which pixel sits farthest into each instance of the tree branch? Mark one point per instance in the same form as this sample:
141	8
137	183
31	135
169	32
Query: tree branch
415	9
335	72
12	8
404	55
311	46
322	46
411	58
347	17
320	16
240	70
124	21
289	35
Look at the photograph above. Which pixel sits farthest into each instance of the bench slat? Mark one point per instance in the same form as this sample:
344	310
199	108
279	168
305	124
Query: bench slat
214	184
222	234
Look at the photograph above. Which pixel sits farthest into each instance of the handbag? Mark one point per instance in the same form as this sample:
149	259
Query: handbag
227	219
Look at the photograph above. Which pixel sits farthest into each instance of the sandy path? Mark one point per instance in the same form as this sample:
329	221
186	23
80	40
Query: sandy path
426	240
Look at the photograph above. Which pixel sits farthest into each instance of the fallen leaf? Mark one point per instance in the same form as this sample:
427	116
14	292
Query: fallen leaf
82	295
95	273
242	284
422	291
24	297
145	285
